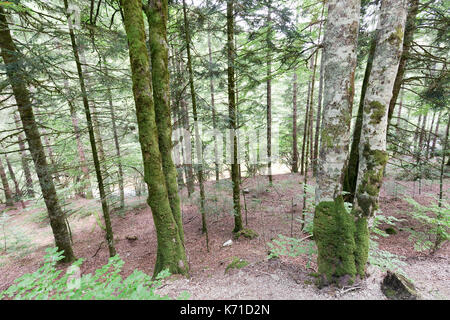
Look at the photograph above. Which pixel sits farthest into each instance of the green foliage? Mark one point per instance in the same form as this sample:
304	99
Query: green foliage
291	247
308	211
15	241
434	222
236	263
105	284
383	259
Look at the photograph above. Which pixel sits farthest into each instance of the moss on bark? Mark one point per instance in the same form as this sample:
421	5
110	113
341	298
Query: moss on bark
170	253
334	231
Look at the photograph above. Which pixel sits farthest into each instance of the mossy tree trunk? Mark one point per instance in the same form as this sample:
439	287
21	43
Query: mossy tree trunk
170	252
373	155
232	118
16	75
93	142
157	13
333	225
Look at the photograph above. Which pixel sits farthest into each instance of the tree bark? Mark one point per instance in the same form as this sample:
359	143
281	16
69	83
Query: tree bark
408	35
95	155
319	116
351	174
7	191
269	93
294	126
24	160
436	132
18	193
81	155
157	15
213	107
373	156
116	138
16	76
51	156
198	142
232	118
184	115
333	230
305	129
170	253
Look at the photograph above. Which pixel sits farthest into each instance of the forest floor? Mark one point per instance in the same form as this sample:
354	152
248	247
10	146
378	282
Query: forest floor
271	211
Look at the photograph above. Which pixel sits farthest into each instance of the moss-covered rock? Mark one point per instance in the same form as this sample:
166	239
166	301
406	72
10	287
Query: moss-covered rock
246	233
397	287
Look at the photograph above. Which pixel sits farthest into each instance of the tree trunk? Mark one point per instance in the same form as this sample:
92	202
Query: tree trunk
116	138
408	35
373	158
318	117
232	118
18	193
294	126
436	132
313	152
351	174
177	120
24	160
198	142
269	93
305	129
81	155
170	253
184	114
16	75
430	132
157	14
440	234
95	155
8	194
213	107
420	145
51	156
333	230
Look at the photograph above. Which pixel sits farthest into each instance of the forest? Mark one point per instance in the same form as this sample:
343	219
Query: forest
224	150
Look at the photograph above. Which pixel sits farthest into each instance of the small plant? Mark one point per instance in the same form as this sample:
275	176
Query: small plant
236	263
105	284
435	222
291	247
383	259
